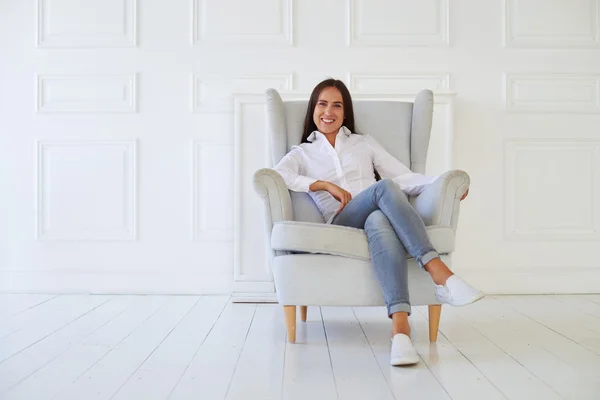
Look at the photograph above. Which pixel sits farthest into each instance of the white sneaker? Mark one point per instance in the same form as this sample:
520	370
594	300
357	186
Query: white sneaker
403	351
457	292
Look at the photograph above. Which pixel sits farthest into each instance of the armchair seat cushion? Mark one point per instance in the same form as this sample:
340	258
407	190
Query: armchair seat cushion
320	238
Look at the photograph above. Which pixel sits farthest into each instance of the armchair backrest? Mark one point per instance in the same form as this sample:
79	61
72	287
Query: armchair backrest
402	128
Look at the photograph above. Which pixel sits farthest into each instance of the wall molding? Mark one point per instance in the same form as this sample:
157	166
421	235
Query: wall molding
398	82
126	232
127	37
283	38
549	233
512	38
57	93
440	38
200	231
245	266
234	84
570	93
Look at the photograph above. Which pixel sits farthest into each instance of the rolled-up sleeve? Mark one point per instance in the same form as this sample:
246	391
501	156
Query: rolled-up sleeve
389	167
291	168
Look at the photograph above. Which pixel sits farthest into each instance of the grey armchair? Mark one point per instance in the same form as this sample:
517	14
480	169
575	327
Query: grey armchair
315	264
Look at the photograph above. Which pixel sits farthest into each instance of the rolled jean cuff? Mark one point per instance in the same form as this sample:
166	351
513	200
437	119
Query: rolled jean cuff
425	258
400	307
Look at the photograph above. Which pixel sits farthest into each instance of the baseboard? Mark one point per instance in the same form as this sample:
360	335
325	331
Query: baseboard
126	282
566	280
267	297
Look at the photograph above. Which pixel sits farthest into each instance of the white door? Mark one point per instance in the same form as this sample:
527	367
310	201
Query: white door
117	131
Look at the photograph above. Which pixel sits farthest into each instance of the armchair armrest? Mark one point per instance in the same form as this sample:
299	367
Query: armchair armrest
272	189
439	203
276	200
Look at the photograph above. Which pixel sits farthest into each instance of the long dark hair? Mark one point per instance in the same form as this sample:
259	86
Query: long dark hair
309	123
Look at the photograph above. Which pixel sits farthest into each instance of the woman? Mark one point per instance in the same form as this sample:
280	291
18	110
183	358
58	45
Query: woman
337	168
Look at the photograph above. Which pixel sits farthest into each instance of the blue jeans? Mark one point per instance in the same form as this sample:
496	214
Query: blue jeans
393	228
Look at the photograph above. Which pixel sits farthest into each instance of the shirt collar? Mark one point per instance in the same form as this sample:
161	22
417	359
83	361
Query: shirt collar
316	134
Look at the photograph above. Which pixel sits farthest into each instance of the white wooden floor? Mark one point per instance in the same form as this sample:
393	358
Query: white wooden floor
192	347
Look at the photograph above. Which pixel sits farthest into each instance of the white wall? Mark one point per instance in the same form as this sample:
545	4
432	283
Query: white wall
117	133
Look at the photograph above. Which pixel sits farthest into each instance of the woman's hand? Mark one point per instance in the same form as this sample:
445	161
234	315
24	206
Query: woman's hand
465	195
337	192
340	195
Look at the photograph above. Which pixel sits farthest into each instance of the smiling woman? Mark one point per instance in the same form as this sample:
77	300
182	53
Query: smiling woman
332	105
336	167
329	112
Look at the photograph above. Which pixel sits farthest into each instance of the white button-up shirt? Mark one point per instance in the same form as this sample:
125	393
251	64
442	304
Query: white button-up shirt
349	165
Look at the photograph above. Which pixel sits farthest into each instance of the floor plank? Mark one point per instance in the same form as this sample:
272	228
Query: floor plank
594	298
61	372
27	314
259	371
453	369
212	367
13	304
308	373
503	371
42	322
110	373
573	324
158	375
22	365
543	352
407	382
578	303
356	370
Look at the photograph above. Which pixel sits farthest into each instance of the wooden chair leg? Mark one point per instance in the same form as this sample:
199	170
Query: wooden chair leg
435	311
290	322
303	311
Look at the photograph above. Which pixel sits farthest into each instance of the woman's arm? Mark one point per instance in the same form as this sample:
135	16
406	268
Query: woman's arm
290	168
389	167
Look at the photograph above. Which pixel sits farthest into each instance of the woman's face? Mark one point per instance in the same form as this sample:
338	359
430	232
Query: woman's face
329	111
